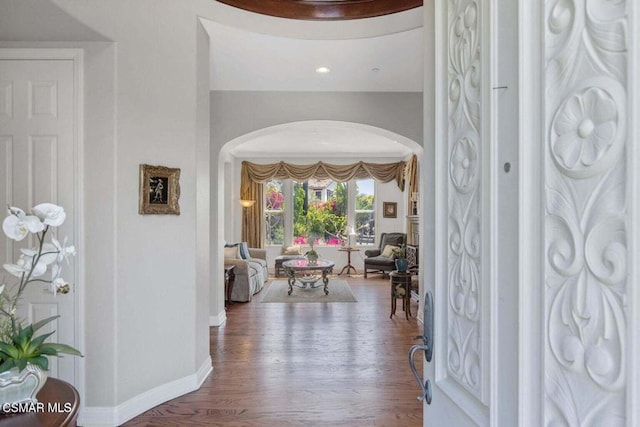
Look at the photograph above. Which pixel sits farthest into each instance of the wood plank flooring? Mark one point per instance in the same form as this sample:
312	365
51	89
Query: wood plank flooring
306	364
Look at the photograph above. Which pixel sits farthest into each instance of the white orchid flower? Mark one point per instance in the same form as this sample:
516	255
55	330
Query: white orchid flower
15	269
17	225
25	262
64	251
50	214
48	256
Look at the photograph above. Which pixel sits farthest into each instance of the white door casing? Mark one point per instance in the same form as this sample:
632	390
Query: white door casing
39	133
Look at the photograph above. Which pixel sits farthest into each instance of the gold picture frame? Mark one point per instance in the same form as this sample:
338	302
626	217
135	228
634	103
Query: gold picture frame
389	209
159	190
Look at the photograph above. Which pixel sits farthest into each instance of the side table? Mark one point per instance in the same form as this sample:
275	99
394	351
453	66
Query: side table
401	289
229	279
348	267
60	402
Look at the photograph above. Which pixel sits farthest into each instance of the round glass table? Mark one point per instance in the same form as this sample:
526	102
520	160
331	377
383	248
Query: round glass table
308	273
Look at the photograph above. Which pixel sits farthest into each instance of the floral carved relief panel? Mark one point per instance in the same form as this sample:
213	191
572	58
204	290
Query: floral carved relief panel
464	355
585	290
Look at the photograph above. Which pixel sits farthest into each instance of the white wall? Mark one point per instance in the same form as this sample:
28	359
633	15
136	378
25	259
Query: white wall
234	114
140	98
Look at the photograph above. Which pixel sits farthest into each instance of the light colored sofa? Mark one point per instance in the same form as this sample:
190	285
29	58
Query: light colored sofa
251	274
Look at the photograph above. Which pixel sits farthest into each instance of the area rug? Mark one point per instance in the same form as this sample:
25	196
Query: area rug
339	291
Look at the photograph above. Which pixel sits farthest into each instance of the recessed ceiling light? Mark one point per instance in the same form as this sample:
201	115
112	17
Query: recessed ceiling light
323	70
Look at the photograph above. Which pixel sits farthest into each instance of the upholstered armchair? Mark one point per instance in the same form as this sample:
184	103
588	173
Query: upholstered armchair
250	273
375	261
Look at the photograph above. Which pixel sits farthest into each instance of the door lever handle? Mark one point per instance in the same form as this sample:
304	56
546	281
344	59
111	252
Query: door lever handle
426	386
426	346
427	334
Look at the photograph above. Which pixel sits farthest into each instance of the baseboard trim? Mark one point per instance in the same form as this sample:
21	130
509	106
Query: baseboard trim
113	416
204	371
219	319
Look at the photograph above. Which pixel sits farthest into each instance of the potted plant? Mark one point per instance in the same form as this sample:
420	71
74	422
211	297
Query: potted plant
400	255
23	354
311	255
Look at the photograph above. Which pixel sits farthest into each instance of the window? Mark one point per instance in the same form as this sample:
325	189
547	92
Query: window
319	212
274	213
321	209
365	212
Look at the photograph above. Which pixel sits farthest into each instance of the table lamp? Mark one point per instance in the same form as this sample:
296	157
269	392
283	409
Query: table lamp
349	231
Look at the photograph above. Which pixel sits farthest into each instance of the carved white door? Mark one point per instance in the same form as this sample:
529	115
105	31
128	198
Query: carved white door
37	166
460	369
536	317
475	269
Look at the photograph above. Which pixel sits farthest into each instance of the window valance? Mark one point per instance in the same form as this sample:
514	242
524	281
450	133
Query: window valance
383	172
253	176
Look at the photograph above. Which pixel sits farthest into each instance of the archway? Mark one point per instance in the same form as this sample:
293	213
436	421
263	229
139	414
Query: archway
301	142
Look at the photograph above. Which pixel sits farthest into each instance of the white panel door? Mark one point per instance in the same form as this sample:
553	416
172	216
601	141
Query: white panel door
37	166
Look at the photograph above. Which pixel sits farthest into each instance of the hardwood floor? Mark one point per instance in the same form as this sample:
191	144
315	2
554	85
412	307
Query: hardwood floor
306	364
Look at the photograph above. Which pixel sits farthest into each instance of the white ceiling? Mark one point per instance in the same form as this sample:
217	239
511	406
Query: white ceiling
250	61
245	60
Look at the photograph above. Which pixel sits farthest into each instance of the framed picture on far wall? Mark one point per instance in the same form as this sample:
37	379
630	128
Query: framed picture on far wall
389	209
159	190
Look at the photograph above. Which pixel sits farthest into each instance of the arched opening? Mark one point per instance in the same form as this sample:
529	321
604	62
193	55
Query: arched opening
306	142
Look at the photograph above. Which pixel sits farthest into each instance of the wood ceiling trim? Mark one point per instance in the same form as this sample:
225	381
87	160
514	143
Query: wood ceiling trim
324	10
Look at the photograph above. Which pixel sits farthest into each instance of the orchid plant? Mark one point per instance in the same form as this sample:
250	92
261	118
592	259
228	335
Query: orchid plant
18	346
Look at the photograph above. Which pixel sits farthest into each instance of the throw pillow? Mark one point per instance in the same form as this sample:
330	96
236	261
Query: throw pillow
231	252
243	249
292	250
387	252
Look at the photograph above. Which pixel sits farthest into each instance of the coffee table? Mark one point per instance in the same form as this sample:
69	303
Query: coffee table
307	273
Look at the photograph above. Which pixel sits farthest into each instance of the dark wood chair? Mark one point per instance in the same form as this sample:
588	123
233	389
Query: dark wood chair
380	264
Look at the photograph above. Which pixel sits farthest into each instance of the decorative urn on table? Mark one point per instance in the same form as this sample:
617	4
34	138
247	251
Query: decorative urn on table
23	354
311	255
401	262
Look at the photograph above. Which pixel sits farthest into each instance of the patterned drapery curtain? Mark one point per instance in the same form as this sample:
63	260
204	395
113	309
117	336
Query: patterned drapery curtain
253	223
411	174
254	175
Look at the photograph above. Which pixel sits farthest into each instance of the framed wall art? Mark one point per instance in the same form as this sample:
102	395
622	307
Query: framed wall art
389	209
159	190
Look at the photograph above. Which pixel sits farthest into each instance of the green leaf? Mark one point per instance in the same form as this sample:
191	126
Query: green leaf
49	351
63	348
21	364
24	336
9	350
37	342
43	322
7	365
40	361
